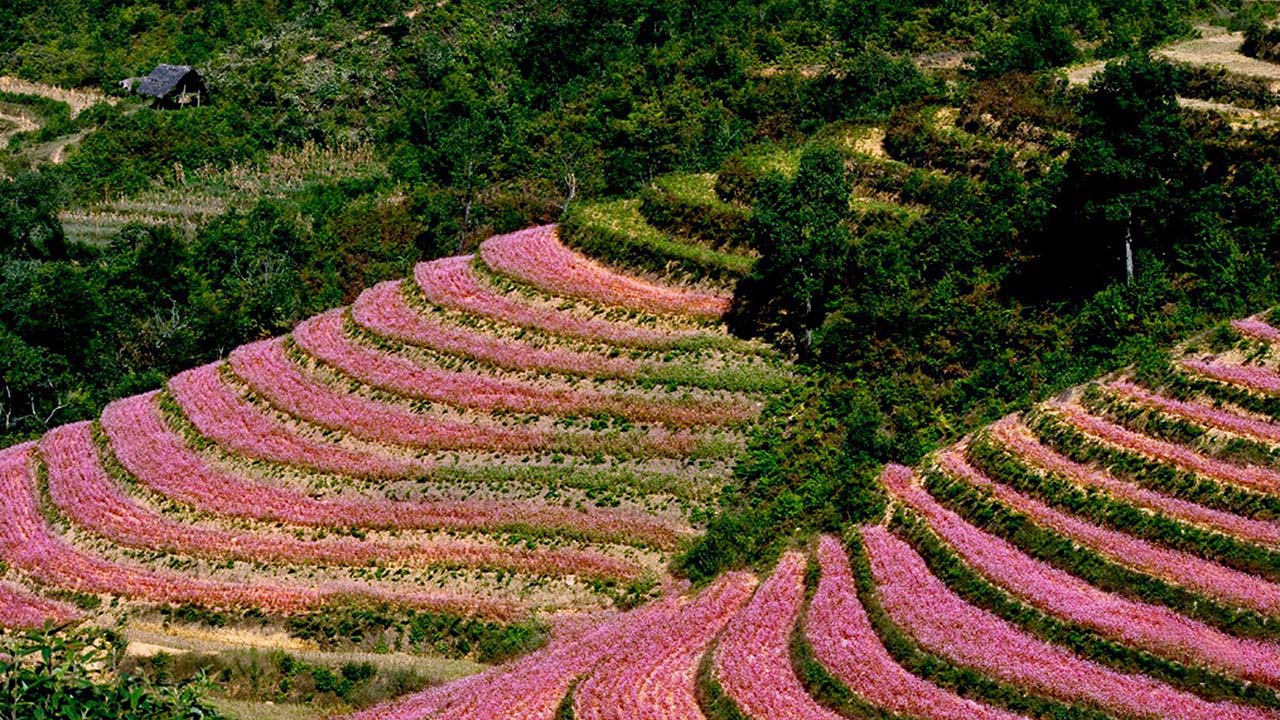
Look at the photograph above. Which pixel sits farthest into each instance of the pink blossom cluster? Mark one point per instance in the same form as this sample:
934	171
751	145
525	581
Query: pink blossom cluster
1199	412
21	609
657	677
384	311
1210	578
267	370
87	495
1016	437
843	640
753	660
1255	327
219	413
537	257
27	543
1250	376
1252	476
1150	627
533	687
161	460
945	624
322	336
451	282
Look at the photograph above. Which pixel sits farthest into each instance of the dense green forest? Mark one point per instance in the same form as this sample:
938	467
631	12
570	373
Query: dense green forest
1003	280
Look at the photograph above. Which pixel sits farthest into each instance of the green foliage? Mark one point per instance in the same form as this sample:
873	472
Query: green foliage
450	635
1261	41
804	470
76	675
798	228
81	326
1037	40
1134	178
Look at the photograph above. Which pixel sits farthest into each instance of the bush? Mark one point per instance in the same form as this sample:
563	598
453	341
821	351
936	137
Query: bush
55	674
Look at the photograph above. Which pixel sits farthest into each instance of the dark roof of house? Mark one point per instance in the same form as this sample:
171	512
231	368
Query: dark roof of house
162	80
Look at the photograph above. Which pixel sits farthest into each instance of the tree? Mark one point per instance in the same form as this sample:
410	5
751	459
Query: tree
1132	179
798	228
1035	41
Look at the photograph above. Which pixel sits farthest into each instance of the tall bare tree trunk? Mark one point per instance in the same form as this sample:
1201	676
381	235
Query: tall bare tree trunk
1128	251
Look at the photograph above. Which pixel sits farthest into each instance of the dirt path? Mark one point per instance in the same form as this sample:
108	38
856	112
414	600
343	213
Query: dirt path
78	99
1215	46
147	639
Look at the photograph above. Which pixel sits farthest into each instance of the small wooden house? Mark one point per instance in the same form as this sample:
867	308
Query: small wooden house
170	87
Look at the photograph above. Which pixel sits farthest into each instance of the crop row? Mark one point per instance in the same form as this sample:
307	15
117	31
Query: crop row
27	543
657	676
1228	585
451	282
269	372
20	608
82	489
162	461
753	660
1199	412
1017	438
845	642
1151	627
1062	493
1257	328
1252	377
1252	477
945	624
323	337
1150	473
386	310
537	257
639	664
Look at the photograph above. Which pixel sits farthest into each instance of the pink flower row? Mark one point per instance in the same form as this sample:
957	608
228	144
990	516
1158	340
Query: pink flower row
1212	579
383	310
1250	376
451	282
613	658
843	640
27	543
220	414
753	660
537	257
21	609
266	368
1256	328
1016	437
161	460
945	624
657	676
1150	627
86	494
1199	412
322	336
1250	476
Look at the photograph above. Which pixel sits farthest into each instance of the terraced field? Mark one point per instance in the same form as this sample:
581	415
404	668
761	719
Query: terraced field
520	436
1112	554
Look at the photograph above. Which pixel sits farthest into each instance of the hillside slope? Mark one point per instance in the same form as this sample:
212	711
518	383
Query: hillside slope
1112	554
517	438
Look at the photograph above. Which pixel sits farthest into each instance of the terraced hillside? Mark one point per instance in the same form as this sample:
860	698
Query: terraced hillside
519	437
1111	554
